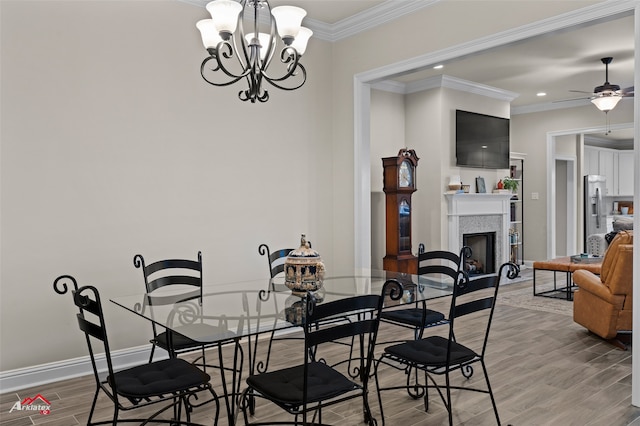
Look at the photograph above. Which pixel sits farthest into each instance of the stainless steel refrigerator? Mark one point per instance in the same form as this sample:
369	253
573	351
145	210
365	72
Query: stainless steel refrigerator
595	216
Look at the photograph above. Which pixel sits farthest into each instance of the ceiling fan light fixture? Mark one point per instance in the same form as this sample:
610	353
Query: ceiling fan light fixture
606	102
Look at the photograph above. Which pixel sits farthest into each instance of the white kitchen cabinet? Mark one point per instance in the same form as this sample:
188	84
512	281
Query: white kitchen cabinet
615	165
607	167
591	166
625	172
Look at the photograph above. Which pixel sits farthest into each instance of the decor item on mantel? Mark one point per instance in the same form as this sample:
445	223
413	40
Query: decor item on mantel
454	183
510	184
500	189
304	270
253	50
480	186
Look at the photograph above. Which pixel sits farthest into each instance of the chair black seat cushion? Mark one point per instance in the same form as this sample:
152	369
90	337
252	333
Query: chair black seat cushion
181	342
285	386
413	316
431	351
157	378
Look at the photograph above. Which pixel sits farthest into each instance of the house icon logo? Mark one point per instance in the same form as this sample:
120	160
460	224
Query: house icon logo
37	403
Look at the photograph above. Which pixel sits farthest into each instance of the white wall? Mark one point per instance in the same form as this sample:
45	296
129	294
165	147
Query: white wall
387	138
112	145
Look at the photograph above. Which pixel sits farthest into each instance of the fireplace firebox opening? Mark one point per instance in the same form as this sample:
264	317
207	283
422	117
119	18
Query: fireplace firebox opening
483	253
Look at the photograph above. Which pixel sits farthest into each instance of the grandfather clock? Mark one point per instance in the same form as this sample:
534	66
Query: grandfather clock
399	184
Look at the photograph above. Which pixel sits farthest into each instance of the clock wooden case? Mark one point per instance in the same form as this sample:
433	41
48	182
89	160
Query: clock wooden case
399	184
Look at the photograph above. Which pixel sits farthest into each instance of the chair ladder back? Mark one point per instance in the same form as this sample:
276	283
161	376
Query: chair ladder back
272	258
365	310
439	254
486	282
173	280
438	269
451	268
87	299
171	267
318	336
173	264
323	311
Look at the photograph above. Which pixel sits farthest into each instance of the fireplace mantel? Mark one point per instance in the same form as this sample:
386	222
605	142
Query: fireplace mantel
479	213
478	204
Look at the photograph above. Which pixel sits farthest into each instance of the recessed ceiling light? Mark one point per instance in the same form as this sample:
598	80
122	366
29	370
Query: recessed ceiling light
541	94
438	67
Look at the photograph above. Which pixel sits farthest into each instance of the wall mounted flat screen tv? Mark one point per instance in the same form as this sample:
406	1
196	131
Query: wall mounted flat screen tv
481	141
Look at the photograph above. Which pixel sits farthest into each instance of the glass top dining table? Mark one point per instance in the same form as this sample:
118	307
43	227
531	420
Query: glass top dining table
237	312
247	308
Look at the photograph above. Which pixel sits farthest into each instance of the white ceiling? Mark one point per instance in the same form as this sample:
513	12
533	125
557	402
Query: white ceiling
554	63
330	11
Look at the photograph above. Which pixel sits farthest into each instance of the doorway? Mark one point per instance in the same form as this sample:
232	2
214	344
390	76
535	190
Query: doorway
574	168
566	222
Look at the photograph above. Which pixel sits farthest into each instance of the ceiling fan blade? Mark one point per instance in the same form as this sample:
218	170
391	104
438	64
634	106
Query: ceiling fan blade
572	99
629	91
580	91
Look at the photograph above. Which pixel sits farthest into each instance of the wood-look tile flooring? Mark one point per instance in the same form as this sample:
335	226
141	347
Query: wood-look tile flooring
544	369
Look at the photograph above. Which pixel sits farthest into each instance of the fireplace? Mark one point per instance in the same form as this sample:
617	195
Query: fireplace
470	214
483	249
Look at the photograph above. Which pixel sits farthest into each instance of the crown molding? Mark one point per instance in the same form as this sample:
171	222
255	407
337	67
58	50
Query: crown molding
606	10
448	82
549	106
372	17
367	19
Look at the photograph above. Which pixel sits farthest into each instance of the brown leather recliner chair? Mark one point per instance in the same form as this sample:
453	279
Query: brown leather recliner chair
603	304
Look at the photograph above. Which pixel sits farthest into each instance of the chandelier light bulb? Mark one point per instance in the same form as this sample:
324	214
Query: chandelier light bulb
264	40
209	33
301	40
224	14
288	21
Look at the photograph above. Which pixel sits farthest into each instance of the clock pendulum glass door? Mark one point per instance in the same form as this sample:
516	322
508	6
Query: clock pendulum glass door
404	233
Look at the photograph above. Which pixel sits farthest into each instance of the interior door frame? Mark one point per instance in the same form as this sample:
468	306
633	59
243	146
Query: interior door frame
573	192
361	130
571	218
362	97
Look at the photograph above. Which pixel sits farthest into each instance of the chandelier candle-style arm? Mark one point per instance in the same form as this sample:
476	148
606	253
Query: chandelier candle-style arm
236	55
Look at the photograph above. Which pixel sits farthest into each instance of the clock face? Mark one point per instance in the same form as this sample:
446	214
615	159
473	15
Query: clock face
405	178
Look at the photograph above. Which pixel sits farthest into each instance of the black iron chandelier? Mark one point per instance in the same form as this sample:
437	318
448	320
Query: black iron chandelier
235	55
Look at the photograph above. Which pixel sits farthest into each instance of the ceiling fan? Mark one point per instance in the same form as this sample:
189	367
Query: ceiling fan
607	96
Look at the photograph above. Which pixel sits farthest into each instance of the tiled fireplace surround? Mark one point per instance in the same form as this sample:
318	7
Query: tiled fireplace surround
474	213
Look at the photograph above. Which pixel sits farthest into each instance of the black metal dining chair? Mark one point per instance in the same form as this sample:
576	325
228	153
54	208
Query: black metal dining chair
442	267
172	383
275	262
304	390
186	275
440	356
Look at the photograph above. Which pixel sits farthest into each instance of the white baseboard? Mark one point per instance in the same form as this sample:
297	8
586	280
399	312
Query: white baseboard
37	375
